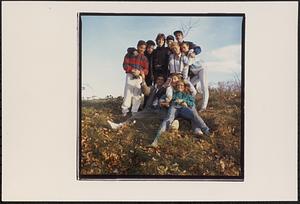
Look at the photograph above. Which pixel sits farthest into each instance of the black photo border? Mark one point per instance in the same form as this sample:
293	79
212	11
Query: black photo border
239	178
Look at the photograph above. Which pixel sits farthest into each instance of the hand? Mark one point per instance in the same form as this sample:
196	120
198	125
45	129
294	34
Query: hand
184	104
135	72
179	101
143	77
135	53
192	55
164	104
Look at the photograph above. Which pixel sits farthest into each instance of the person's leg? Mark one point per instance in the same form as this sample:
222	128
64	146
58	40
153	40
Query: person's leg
166	122
136	95
137	115
127	95
204	88
192	115
198	121
194	80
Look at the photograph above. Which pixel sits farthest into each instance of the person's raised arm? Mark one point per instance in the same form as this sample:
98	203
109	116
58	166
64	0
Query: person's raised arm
196	48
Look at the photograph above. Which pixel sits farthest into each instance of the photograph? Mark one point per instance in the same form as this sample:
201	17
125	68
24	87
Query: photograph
150	101
161	96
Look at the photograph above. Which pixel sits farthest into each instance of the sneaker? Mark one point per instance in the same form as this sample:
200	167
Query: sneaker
174	125
124	114
198	131
154	143
113	125
202	110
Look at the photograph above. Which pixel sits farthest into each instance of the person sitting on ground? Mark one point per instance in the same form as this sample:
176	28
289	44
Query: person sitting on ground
136	68
152	108
182	105
197	74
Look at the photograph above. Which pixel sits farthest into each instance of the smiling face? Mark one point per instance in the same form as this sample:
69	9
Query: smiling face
160	81
180	86
149	49
184	47
141	49
174	79
160	42
169	42
179	37
176	49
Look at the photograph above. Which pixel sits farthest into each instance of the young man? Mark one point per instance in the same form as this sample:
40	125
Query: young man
170	39
193	48
197	74
152	108
149	54
136	68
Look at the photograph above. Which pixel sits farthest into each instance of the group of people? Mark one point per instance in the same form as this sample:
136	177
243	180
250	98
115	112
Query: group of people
162	83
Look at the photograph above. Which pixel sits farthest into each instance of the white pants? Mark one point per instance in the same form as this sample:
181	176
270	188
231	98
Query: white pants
200	80
132	94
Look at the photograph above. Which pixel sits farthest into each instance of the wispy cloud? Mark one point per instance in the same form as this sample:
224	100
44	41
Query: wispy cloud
225	59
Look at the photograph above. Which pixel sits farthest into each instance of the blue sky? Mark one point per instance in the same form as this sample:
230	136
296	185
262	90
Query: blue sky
105	40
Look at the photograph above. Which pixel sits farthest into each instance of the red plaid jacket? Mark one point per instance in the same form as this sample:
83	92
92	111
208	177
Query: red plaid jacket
139	62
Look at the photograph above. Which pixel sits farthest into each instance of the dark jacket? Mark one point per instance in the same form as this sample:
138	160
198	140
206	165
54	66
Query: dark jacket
150	77
152	93
161	61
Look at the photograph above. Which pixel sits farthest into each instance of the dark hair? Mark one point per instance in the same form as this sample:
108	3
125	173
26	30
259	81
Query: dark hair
160	75
178	31
159	36
150	43
170	37
141	42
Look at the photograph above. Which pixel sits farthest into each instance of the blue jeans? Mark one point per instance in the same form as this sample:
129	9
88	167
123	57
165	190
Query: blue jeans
190	114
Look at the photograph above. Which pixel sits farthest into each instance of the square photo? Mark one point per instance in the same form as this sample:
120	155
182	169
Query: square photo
161	96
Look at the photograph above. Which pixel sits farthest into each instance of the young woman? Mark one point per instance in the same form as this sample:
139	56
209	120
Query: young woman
160	57
178	62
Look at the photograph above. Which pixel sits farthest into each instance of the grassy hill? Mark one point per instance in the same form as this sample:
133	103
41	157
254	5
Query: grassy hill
126	152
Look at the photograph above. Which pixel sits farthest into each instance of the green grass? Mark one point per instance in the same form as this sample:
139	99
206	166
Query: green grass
126	152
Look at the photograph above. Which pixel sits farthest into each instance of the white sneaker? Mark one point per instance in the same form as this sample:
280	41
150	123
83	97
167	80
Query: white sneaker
154	143
113	125
174	125
198	131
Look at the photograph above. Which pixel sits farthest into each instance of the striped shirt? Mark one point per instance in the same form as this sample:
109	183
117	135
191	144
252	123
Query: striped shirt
139	62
